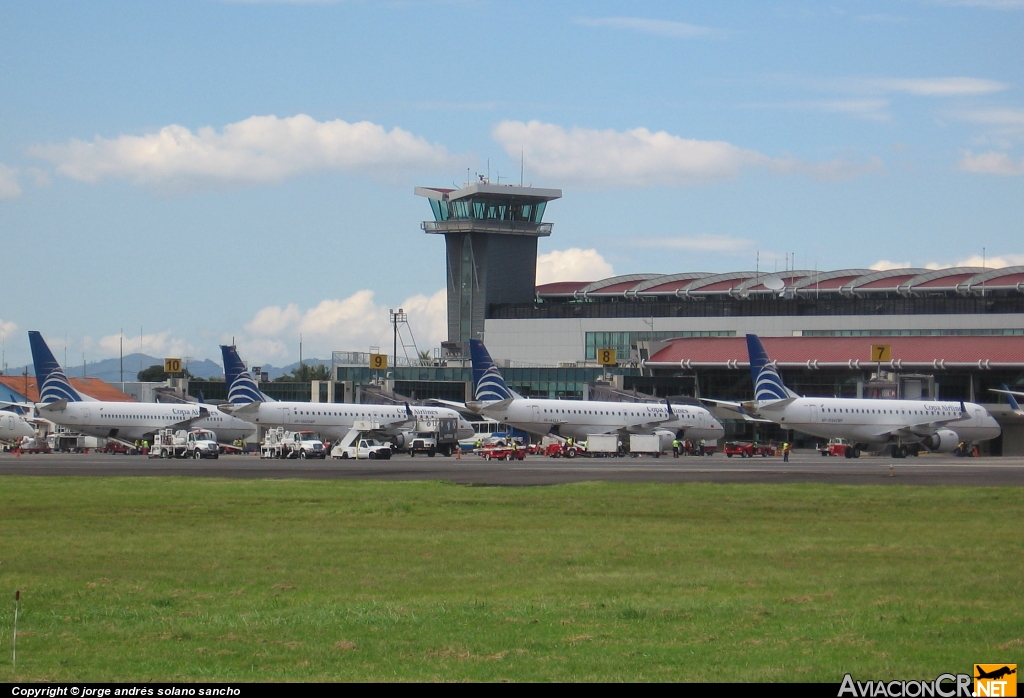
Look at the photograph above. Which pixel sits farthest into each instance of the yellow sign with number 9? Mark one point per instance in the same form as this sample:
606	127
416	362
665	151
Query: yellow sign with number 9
378	362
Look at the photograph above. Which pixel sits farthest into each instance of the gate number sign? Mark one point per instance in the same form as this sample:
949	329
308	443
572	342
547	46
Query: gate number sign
881	352
378	362
606	357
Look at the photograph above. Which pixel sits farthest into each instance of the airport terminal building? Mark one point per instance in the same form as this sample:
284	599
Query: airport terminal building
952	333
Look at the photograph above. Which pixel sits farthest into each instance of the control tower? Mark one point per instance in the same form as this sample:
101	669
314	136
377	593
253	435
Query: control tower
490	233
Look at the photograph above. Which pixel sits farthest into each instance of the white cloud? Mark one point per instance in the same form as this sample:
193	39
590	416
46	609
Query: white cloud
997	262
658	27
10	187
935	87
989	4
638	157
156	344
7	330
257	150
886	265
700	243
574	264
273	320
990	163
349	324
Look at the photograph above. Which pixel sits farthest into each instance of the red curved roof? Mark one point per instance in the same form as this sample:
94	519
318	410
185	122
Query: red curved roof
962	349
559	288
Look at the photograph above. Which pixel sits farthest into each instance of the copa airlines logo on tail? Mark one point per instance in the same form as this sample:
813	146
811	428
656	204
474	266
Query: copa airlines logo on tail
490	386
56	386
244	390
768	383
242	386
53	384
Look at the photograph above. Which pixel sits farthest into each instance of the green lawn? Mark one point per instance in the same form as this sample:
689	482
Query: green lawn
235	580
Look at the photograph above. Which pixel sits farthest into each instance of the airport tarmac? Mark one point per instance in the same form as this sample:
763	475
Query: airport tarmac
930	469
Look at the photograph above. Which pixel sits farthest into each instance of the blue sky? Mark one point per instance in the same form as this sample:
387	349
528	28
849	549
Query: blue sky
202	171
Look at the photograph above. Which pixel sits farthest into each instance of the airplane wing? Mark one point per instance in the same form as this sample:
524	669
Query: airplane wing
55	406
186	423
484	407
247	411
738	408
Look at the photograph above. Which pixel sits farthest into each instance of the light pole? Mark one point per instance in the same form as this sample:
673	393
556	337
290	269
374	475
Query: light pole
397	316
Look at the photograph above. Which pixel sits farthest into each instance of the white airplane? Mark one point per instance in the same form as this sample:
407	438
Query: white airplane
331	420
938	426
61	404
578	418
14	426
1014	406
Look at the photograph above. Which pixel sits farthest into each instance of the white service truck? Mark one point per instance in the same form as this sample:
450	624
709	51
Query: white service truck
197	443
602	445
362	448
278	443
433	436
645	445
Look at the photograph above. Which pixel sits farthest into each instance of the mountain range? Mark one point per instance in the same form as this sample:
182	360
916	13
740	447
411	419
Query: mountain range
110	369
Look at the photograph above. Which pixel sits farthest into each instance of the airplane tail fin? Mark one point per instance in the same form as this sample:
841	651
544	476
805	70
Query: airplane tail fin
1013	401
50	379
488	383
242	387
768	383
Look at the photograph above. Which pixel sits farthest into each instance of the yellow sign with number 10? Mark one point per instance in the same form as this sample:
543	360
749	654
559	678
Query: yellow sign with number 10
172	365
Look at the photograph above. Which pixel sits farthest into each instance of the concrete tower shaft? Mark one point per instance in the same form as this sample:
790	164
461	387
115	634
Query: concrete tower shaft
491	233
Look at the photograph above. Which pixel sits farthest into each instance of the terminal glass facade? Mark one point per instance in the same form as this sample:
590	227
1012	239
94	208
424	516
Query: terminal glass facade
1005	332
618	307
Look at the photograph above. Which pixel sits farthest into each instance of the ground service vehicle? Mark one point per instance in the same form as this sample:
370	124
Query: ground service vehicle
197	443
369	449
433	436
746	449
496	452
645	445
836	447
279	443
560	449
602	445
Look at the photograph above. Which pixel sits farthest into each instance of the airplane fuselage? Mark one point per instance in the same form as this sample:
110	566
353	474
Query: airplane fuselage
136	420
874	421
333	420
578	418
14	426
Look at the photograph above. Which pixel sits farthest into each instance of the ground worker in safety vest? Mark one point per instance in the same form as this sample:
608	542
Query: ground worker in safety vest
675	448
702	447
785	452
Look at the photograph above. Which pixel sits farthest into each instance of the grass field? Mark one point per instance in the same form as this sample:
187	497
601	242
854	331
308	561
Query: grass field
179	579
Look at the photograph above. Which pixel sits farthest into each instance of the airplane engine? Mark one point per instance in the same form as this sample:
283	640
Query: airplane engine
403	440
942	441
665	438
